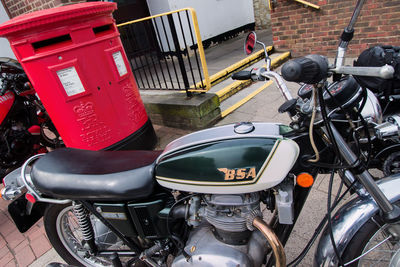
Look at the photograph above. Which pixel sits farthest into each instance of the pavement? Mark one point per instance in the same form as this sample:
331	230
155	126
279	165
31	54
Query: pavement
33	248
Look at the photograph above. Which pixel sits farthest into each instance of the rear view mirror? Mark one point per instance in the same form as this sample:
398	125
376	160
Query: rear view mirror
250	43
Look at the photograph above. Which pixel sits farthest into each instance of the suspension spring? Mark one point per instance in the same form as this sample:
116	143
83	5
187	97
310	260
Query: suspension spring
84	224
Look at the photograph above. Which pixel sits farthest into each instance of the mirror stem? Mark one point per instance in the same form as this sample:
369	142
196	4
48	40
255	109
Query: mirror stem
267	58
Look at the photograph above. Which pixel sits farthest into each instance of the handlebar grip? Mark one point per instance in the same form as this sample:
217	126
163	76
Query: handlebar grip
242	75
309	69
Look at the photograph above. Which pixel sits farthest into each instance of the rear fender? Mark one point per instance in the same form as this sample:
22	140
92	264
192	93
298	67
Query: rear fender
349	219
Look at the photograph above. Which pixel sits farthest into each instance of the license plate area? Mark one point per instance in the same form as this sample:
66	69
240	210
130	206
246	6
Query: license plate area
18	212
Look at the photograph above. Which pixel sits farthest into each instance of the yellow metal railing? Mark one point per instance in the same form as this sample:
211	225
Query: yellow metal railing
205	83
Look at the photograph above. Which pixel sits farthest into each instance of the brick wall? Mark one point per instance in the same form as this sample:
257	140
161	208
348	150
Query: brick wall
18	7
306	30
262	15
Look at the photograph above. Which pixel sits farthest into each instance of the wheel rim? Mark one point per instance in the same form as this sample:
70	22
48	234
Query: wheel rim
385	250
71	237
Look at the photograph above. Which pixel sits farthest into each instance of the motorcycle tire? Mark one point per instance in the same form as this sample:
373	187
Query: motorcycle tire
367	237
58	221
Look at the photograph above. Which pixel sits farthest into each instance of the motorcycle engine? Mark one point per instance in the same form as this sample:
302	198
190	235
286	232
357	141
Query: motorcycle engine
16	143
220	232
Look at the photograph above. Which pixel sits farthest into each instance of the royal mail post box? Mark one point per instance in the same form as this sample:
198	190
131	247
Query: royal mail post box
76	62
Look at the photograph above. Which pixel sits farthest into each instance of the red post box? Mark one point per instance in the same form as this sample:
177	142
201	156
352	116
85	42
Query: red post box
76	62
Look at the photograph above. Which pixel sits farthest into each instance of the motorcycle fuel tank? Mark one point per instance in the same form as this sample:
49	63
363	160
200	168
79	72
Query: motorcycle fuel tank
6	102
231	159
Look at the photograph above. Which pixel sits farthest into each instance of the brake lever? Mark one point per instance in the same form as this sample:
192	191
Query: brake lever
254	74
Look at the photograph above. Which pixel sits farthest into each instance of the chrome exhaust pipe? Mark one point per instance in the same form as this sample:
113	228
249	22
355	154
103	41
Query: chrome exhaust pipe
273	240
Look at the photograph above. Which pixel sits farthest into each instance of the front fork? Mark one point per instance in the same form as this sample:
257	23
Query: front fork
391	213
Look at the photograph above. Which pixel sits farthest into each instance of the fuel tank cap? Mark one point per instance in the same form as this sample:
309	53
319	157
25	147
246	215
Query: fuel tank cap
243	127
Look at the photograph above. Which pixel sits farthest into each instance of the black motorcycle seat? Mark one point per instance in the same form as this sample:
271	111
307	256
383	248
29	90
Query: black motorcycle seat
76	174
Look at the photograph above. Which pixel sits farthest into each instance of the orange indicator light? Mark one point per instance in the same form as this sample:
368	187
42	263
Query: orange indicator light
305	180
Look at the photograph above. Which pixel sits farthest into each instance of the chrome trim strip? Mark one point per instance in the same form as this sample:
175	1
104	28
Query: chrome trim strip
349	219
32	190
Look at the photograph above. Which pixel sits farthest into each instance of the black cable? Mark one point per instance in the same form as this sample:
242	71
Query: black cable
365	98
335	146
326	122
330	220
333	166
321	225
368	136
358	113
337	103
175	239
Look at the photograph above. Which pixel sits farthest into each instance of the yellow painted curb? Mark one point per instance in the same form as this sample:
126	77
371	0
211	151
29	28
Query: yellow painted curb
244	100
232	89
236	86
225	73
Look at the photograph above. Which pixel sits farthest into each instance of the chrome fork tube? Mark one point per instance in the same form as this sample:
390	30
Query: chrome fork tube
365	178
356	13
342	48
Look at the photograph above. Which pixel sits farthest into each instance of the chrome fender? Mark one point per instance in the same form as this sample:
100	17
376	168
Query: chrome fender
349	219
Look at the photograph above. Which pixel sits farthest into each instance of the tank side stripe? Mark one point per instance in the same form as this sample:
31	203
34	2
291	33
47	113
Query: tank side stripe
267	161
191	182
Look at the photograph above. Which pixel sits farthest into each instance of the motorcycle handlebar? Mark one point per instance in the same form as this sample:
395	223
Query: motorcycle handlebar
309	69
314	68
242	75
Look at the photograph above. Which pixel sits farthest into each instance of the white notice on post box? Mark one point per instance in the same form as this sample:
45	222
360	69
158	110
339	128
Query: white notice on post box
119	62
70	80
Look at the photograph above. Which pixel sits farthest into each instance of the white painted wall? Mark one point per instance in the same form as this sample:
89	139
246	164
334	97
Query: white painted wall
215	17
218	16
5	49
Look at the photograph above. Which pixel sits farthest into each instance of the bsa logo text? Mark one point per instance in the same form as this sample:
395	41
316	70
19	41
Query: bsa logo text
238	174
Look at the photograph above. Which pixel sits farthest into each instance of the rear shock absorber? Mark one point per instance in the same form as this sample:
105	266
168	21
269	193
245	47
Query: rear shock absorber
85	226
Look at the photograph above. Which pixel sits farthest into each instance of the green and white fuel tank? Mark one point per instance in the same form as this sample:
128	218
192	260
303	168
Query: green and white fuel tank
231	159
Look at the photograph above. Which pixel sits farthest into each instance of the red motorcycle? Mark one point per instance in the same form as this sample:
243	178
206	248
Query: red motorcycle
25	127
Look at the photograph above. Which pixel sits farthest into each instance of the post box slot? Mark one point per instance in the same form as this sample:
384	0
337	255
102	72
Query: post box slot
102	29
52	42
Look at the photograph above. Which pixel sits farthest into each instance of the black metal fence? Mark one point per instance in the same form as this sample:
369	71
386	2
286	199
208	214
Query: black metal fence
166	53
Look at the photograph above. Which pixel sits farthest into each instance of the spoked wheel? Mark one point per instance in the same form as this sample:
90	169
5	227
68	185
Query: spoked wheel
373	245
65	235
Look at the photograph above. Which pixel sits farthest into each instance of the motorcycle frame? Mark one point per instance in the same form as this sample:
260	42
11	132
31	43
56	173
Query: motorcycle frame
283	231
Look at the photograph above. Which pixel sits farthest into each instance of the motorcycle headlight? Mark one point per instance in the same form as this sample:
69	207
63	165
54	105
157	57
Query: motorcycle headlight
372	109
